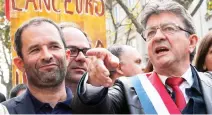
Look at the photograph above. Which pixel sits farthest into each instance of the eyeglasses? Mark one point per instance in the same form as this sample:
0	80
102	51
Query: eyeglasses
166	29
75	51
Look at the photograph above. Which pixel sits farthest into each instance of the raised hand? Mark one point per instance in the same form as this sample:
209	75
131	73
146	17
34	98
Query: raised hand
101	61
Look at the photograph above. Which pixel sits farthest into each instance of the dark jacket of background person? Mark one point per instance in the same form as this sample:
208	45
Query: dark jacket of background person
202	52
2	97
15	90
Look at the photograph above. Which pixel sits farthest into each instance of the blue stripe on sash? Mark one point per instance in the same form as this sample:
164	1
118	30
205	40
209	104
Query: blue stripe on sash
143	98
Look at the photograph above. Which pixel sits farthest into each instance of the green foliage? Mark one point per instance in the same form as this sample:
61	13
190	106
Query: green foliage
6	46
2	8
4	28
6	37
209	5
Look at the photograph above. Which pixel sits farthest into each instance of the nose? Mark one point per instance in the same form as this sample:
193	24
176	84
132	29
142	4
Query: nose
80	57
46	55
159	35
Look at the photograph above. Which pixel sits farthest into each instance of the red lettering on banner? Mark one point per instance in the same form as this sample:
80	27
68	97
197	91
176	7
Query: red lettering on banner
27	3
14	6
102	9
90	5
93	7
79	6
46	4
66	7
53	6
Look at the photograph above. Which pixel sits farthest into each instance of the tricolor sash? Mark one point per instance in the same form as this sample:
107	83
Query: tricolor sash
152	95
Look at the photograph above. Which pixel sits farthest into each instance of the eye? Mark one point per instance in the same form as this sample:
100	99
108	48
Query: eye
138	61
85	50
55	47
150	33
73	50
34	50
210	51
168	28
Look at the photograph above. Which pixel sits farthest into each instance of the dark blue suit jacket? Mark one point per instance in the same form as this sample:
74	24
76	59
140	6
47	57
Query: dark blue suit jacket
23	104
20	105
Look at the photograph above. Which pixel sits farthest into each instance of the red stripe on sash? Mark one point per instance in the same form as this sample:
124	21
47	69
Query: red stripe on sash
170	104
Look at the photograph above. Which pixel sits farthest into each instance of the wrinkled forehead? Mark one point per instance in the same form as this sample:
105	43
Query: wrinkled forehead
41	33
157	19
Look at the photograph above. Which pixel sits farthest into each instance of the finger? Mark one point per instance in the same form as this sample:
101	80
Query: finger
97	52
109	59
103	73
111	62
98	73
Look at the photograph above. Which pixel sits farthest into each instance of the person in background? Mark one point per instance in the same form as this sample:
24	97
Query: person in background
174	86
18	90
78	43
40	46
130	61
2	98
203	57
148	68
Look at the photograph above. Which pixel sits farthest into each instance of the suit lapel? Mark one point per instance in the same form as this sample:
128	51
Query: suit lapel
24	104
156	82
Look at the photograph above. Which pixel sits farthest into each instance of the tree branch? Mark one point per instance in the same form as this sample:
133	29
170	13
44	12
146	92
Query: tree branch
128	34
2	77
130	15
197	7
114	23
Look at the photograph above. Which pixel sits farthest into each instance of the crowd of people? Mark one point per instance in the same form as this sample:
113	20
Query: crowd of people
66	76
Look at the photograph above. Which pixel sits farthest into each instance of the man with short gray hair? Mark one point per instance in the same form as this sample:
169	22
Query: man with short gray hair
174	86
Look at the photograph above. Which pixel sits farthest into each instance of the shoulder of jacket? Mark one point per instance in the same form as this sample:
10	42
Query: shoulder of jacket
206	78
126	80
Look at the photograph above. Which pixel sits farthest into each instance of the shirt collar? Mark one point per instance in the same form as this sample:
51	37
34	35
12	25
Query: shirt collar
187	76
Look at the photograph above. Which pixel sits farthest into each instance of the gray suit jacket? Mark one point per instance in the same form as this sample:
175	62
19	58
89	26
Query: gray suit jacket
206	83
20	105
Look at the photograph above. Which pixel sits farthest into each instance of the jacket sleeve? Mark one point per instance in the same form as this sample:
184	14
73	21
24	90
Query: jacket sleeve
101	100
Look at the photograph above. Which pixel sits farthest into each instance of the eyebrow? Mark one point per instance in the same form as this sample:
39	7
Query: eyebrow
71	46
32	47
166	23
54	43
37	45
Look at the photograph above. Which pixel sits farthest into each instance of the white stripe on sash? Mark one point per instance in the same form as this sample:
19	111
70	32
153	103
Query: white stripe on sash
153	95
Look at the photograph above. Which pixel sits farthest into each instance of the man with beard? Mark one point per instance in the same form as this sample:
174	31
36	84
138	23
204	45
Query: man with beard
78	43
40	47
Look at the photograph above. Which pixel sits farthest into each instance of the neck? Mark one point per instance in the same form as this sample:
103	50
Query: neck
51	95
176	70
72	86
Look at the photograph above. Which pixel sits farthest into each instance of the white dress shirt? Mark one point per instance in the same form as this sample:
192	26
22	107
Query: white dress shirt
186	84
